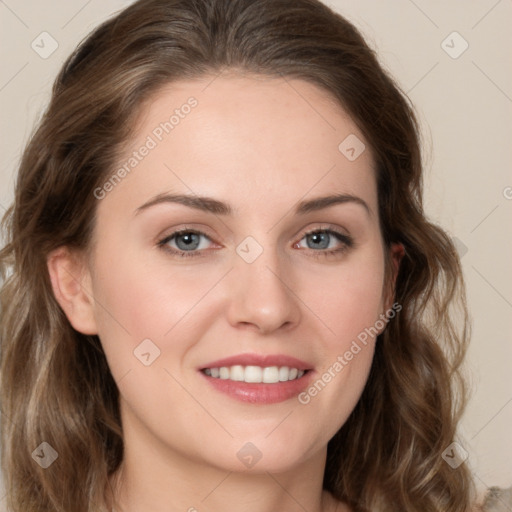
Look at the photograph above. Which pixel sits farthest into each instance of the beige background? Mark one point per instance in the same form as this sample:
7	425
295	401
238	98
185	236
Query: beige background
465	106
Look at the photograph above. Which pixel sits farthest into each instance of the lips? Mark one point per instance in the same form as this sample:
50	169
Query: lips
263	361
255	378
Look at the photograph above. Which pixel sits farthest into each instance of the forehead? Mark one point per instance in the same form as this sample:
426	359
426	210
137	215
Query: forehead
246	138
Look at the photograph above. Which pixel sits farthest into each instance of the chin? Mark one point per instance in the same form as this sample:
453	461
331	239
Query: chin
262	455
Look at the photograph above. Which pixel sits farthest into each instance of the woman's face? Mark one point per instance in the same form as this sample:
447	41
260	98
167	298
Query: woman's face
267	282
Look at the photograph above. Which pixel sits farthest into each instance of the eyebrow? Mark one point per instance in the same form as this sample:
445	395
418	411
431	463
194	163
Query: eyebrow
208	204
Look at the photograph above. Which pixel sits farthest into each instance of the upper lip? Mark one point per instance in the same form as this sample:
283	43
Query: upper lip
263	360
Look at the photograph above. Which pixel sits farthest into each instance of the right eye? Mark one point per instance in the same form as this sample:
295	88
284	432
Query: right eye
185	243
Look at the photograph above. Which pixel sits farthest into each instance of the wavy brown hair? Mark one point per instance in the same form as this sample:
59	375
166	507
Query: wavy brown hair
55	382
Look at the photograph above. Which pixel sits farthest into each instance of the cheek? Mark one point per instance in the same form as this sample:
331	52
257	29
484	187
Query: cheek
347	299
348	303
137	301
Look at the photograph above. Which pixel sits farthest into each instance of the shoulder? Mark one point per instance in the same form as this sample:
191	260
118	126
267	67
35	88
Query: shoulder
496	500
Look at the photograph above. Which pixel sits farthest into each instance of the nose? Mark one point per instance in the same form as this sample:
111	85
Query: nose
261	295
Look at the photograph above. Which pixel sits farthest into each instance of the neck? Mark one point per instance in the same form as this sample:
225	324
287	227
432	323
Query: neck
158	479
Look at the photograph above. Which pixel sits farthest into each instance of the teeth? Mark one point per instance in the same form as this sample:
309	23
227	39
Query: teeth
237	373
284	373
271	374
255	374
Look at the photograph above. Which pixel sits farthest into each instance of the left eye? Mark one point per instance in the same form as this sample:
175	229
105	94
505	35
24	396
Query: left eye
324	239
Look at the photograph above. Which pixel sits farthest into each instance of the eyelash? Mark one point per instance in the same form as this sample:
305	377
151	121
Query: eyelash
346	240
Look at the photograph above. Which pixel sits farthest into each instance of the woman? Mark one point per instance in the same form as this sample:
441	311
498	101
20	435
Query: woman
223	292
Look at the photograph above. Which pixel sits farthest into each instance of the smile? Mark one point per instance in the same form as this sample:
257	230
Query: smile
258	378
255	374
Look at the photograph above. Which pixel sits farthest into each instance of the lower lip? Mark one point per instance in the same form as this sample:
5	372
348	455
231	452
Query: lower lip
259	393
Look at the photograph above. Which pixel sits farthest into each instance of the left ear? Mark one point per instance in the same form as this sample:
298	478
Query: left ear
394	257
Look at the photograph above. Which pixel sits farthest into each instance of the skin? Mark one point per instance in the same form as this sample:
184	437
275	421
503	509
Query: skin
260	145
